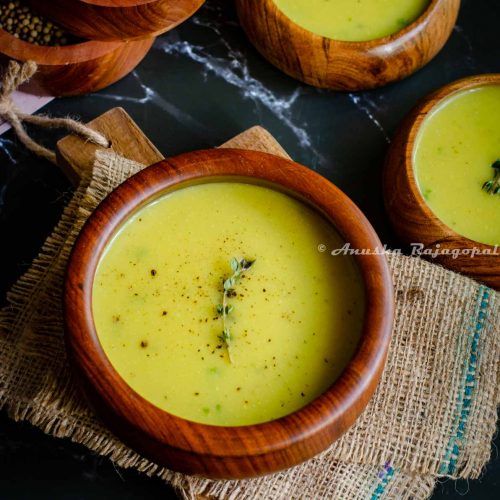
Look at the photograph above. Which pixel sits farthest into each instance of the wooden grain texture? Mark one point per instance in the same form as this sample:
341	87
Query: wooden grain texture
411	217
76	156
76	69
349	66
257	139
226	452
117	19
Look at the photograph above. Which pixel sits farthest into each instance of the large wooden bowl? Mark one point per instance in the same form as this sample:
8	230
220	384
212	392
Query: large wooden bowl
76	69
117	19
408	211
227	452
339	65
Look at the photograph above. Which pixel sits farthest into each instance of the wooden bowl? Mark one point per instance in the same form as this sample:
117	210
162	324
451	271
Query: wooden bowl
76	69
211	451
117	19
411	217
339	65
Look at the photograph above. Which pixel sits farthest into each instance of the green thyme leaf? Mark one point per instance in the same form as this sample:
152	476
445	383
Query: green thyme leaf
246	264
228	284
235	265
238	267
493	186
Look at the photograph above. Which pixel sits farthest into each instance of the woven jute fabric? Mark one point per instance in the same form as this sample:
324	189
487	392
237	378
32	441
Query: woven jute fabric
433	414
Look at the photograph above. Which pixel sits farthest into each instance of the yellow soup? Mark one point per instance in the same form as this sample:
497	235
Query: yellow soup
296	318
353	20
455	148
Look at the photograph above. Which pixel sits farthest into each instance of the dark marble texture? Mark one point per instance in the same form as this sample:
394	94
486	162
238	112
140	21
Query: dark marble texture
200	85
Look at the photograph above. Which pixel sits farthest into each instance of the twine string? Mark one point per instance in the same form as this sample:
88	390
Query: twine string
15	75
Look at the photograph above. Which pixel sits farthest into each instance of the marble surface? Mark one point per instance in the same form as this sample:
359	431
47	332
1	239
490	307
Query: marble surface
200	85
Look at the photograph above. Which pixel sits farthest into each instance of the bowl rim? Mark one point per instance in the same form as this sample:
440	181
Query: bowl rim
86	50
404	33
118	3
417	120
333	411
155	16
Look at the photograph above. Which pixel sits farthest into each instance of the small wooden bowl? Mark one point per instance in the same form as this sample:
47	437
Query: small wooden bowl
409	213
226	452
350	66
117	19
77	69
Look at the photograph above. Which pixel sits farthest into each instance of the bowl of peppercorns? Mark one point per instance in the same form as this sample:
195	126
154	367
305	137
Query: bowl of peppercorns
67	64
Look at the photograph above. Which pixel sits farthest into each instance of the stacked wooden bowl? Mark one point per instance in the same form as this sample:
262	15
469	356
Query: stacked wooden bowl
113	37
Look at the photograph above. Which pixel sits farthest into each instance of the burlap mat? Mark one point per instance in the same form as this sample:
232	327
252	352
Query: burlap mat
433	415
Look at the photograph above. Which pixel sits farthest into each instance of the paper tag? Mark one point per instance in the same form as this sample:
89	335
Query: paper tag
26	102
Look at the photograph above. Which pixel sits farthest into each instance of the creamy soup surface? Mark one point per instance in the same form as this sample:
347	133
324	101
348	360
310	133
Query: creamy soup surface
454	152
297	312
353	20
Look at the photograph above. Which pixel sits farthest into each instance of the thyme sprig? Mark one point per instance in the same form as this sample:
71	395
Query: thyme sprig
239	267
493	186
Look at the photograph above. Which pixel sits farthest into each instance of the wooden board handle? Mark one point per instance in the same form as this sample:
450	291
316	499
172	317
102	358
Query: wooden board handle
76	156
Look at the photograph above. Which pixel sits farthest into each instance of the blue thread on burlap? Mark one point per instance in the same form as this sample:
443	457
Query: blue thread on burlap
385	475
464	400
